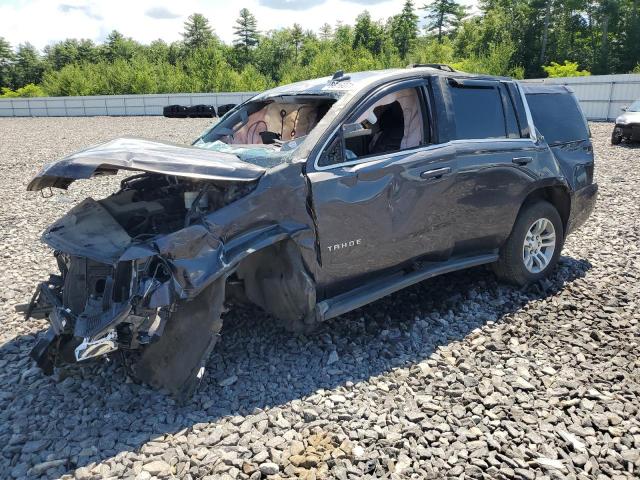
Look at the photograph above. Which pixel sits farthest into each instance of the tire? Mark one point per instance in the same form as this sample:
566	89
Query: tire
616	139
526	256
177	359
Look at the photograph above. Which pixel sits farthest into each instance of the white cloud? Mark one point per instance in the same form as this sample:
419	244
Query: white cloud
45	21
161	13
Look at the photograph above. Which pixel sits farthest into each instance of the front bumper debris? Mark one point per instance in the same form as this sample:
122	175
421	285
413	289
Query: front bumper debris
172	358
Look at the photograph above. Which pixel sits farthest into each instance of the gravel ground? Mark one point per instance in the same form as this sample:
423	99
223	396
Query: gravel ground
455	377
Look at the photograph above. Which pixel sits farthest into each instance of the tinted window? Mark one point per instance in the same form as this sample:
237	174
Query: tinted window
558	117
478	112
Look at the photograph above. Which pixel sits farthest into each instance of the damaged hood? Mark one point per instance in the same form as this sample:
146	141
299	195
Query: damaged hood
146	156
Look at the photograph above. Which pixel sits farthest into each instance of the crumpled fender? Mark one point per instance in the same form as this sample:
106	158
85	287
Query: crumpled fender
196	258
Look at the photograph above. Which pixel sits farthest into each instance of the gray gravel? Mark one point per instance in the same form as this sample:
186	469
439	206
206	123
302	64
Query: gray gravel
456	377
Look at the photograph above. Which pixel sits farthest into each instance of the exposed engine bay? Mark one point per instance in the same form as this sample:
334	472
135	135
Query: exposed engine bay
149	205
116	289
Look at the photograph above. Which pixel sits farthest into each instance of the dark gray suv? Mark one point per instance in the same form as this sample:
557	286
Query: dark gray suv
309	200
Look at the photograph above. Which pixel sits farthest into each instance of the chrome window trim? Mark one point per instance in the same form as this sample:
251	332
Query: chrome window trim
533	137
423	148
533	134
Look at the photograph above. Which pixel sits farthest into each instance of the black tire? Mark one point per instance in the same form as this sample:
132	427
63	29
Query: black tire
616	139
511	267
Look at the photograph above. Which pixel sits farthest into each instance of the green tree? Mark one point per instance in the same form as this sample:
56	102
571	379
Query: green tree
29	90
28	67
443	16
367	33
404	29
326	32
343	35
6	61
297	37
119	47
246	31
197	32
496	59
568	69
69	51
157	51
274	50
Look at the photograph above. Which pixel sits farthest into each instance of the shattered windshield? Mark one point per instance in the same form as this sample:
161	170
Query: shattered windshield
266	156
265	132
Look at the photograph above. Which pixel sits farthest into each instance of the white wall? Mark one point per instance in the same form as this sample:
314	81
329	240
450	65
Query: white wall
113	105
601	96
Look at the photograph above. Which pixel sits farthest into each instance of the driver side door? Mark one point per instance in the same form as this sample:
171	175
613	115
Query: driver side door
379	197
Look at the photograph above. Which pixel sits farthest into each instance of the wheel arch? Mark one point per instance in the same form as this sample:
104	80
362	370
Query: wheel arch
556	195
277	279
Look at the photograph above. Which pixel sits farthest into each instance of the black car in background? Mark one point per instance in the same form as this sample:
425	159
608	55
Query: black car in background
310	200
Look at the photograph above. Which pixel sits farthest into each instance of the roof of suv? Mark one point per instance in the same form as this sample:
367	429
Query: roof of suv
352	82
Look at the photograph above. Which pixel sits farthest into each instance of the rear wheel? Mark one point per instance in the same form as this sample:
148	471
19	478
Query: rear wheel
532	250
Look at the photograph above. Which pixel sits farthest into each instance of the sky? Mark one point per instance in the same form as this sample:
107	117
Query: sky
42	22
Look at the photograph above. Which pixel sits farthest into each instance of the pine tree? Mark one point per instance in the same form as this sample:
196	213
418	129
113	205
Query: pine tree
297	35
326	32
197	32
404	29
367	33
442	15
246	31
119	47
28	66
6	60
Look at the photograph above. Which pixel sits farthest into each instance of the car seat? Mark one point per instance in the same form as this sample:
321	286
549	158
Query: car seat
390	132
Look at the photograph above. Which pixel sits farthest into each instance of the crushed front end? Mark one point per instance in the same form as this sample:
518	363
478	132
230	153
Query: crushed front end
138	274
95	308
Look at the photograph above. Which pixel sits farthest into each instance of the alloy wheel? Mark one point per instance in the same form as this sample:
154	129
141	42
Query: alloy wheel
539	245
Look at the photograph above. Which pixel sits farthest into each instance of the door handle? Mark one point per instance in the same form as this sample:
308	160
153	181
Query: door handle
435	174
522	160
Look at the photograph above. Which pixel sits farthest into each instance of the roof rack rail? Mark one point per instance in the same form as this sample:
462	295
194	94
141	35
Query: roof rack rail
439	66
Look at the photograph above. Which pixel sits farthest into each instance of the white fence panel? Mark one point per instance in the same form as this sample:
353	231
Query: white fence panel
111	105
601	97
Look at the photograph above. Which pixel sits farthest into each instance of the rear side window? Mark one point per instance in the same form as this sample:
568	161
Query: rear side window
558	117
478	112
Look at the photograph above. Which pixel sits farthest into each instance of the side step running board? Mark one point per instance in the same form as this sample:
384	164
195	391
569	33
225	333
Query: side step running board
370	292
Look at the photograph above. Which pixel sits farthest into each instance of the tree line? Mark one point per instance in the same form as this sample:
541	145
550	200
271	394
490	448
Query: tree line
519	38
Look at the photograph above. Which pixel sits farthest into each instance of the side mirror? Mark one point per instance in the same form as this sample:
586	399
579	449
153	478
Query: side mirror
624	109
353	130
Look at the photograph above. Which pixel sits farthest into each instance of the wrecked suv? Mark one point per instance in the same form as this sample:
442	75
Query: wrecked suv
309	200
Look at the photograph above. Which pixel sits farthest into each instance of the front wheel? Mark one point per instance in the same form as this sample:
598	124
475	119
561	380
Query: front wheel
532	250
616	138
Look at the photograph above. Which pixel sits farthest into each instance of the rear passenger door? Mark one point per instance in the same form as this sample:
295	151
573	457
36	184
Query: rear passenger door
494	156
